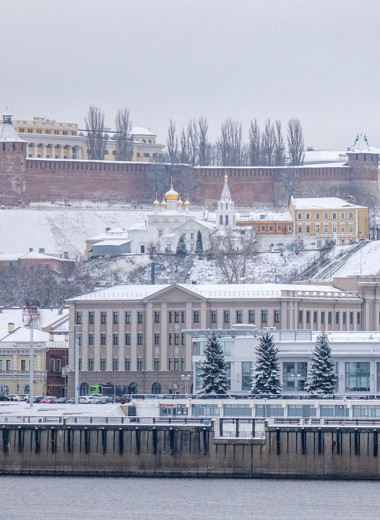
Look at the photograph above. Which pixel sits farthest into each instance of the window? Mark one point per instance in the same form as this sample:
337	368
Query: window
139	364
1	364
214	316
91	340
329	318
344	318
156	364
317	228
103	364
139	338
79	318
239	316
251	316
337	318
334	216
170	364
176	364
103	318
226	316
322	317
115	364
342	228
115	317
91	364
156	317
156	338
196	316
307	216
127	317
326	228
115	340
299	216
170	338
91	318
342	215
351	318
300	316
299	229
357	377
308	317
139	317
183	338
80	365
317	216
156	388
358	318
127	338
264	316
176	338
277	316
294	376
307	229
315	317
325	216
170	317
182	364
350	215
103	339
279	228
263	228
246	375
23	365
183	316
176	317
270	228
79	339
127	364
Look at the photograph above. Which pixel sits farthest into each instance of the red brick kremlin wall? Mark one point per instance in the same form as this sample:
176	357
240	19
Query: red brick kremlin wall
37	180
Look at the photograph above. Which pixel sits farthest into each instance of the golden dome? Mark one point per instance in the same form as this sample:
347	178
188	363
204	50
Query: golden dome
163	203
187	203
171	194
179	202
156	203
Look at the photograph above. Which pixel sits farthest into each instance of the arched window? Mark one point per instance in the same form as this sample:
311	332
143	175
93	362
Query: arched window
26	389
226	220
4	389
156	388
221	220
133	388
84	389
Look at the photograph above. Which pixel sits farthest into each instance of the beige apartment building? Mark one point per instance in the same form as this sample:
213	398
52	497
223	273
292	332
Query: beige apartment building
133	336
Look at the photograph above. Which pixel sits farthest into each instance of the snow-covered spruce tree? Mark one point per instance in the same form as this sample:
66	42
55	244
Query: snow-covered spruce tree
213	370
199	244
266	374
181	246
321	378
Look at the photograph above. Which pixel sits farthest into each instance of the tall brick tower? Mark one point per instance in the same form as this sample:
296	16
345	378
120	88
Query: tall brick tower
364	162
12	164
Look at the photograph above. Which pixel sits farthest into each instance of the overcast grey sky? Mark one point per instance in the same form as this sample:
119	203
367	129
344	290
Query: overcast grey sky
317	60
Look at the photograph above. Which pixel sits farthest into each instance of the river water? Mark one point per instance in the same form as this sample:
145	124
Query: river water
82	498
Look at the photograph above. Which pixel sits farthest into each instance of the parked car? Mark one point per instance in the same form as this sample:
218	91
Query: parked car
24	397
61	400
4	397
36	399
15	397
70	400
48	399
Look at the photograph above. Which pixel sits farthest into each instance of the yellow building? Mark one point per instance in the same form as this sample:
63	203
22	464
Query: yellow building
49	139
52	140
320	220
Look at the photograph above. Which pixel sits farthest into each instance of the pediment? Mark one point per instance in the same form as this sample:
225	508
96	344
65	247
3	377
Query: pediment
174	293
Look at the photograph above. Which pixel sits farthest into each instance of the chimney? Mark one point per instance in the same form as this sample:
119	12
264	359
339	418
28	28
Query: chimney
30	249
41	250
11	327
66	255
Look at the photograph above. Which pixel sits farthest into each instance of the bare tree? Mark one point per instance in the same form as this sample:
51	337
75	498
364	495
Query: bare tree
192	138
279	156
95	133
232	249
295	142
291	184
203	146
124	140
268	143
172	143
254	144
183	154
230	143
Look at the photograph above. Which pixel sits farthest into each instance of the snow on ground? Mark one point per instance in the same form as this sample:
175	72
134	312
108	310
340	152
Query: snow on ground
366	261
22	409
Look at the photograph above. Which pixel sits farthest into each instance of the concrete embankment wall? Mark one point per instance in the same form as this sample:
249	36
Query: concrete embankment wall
189	451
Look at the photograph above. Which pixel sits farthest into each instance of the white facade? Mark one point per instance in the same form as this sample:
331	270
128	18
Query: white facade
356	354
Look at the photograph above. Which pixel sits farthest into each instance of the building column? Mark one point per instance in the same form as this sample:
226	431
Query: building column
188	340
164	337
43	154
284	315
148	342
133	340
79	152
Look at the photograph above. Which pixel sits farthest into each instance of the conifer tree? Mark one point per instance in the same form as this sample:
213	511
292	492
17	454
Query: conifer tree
321	378
214	369
181	246
199	244
266	375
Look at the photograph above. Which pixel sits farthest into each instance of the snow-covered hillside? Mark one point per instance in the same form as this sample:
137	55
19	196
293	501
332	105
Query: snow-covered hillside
365	262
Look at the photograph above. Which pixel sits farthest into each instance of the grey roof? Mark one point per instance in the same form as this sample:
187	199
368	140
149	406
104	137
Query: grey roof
7	130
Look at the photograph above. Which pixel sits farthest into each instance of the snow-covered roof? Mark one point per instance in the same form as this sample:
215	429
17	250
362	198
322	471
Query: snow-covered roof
19	318
323	203
361	145
324	156
114	233
31	255
112	242
7	130
264	216
22	335
139	130
225	291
